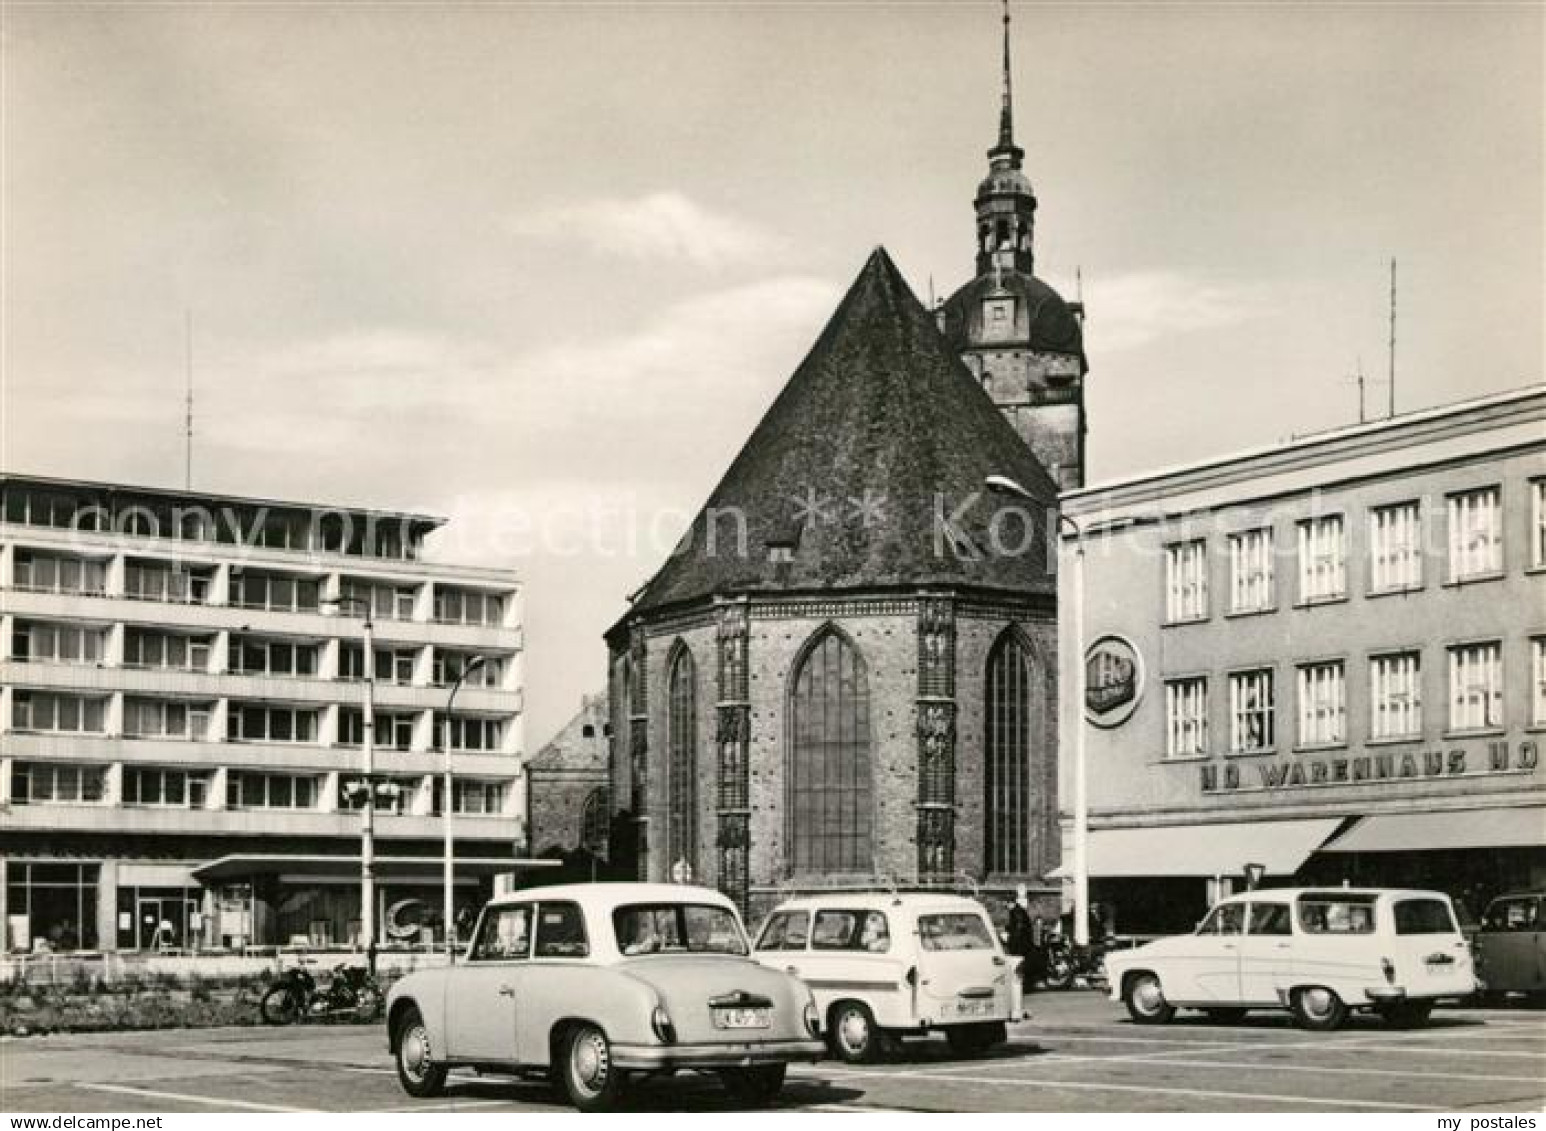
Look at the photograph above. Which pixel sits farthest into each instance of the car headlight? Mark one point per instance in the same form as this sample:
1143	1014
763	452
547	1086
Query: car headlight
660	1021
812	1018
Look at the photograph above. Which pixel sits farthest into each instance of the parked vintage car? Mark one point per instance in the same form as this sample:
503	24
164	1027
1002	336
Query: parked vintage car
597	982
1511	945
884	966
1318	953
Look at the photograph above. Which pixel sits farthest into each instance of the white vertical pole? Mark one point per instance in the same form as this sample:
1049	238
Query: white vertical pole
1081	780
368	810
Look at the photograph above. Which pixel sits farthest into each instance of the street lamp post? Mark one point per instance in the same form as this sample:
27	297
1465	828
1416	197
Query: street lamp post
367	773
1081	862
446	807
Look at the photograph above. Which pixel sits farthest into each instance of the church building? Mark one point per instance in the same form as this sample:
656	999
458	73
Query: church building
847	671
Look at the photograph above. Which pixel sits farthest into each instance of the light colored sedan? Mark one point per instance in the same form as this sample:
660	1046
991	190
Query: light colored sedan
1318	953
592	983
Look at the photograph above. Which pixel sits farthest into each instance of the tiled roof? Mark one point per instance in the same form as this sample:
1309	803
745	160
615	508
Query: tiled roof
879	437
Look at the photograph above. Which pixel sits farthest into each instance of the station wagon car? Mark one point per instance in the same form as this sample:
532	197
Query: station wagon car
593	983
887	965
1511	944
1318	953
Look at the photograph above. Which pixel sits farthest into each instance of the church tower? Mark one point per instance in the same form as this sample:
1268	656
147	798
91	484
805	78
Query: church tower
1015	333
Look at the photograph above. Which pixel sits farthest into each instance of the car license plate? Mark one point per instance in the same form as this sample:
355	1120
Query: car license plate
975	1008
751	1018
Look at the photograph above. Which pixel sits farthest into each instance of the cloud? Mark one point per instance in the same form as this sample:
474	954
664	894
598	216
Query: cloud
660	226
1132	310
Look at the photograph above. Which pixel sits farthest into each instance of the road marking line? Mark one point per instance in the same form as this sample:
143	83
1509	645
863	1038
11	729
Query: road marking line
449	1106
1270	1066
183	1097
1146	1089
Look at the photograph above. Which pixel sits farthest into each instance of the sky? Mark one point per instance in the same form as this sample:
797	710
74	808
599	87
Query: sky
540	268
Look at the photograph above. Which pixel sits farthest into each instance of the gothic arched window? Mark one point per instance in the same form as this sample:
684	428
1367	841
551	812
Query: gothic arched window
595	822
1009	730
681	759
829	795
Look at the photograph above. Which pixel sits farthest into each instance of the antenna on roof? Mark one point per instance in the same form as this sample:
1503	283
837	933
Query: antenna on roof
188	411
1392	377
1358	378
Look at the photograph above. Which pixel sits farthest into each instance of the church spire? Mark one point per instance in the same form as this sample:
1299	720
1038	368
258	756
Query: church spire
1006	203
1006	114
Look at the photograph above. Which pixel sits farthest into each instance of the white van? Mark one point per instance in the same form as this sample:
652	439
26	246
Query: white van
889	965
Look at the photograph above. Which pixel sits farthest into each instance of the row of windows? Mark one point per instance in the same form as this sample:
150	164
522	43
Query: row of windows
1475	700
54	783
145	580
48	642
830	800
64	713
1396	554
322	529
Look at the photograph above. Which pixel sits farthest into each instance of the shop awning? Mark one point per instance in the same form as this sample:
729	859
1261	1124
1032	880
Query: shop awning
1516	827
387	868
1204	850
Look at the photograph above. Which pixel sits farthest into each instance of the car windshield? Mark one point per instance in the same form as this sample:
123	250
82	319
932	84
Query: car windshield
964	931
677	928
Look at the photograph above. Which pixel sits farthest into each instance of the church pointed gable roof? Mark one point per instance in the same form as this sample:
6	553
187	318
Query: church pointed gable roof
867	473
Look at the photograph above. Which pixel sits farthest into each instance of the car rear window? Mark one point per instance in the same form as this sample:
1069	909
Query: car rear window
1332	914
1424	917
962	931
677	928
851	930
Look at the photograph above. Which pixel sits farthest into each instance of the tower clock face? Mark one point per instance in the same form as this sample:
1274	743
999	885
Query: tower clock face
998	318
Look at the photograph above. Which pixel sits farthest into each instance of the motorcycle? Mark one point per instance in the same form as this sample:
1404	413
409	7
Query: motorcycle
351	994
1066	964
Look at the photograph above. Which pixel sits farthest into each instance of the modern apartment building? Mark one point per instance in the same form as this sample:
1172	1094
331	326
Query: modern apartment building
182	710
1326	658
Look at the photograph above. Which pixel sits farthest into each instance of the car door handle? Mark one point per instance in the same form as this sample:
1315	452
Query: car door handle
506	991
791	970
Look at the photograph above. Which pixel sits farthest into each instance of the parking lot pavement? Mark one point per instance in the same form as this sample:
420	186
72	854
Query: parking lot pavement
1079	1053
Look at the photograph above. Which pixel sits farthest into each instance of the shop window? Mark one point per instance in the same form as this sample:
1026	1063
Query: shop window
50	907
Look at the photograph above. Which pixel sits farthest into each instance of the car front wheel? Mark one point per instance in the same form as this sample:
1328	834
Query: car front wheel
590	1079
1317	1008
1145	1000
417	1071
852	1034
754	1087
